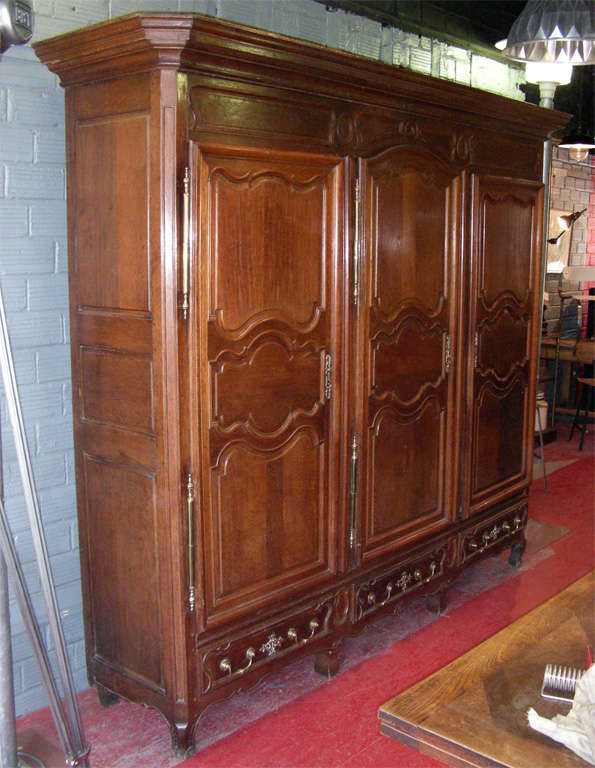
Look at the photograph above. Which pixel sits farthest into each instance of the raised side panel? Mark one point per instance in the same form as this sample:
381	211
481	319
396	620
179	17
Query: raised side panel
111	202
268	261
117	389
120	547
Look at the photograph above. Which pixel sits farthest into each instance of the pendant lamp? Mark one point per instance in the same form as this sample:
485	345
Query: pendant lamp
558	31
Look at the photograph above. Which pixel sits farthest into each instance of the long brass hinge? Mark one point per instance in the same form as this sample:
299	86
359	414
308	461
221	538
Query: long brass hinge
186	244
190	542
353	459
328	376
447	355
476	350
356	214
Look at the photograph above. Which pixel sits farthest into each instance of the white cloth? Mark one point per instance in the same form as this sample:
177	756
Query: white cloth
576	730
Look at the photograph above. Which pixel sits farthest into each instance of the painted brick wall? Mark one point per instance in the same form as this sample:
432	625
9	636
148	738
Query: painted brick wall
33	258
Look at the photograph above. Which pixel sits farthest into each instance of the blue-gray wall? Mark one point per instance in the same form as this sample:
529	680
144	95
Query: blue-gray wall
33	257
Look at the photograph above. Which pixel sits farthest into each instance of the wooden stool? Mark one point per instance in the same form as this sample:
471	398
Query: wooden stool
585	402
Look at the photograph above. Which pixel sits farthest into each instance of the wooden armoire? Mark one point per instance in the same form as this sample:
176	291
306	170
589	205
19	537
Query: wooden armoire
304	295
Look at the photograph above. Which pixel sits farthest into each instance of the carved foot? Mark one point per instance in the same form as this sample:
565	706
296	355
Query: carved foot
182	740
436	603
327	662
106	698
516	553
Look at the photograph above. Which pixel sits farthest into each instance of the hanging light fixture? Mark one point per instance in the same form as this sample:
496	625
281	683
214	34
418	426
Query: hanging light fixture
557	31
578	139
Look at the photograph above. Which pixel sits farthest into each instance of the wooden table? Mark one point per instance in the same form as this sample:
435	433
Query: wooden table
473	711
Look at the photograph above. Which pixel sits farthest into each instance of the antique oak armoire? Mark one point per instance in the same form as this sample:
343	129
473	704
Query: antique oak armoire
304	290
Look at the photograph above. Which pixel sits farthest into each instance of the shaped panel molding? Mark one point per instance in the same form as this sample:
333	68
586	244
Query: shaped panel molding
498	440
502	344
406	483
408	363
269	522
268	249
508	233
408	205
267	386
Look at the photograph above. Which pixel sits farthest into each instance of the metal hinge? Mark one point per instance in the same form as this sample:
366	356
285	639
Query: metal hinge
356	204
190	542
186	244
353	459
328	376
476	349
447	355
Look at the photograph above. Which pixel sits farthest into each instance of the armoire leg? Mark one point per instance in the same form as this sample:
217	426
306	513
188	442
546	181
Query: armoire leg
182	739
436	602
516	553
106	698
327	662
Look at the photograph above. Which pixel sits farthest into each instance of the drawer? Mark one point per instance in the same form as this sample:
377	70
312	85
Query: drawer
253	651
493	531
402	580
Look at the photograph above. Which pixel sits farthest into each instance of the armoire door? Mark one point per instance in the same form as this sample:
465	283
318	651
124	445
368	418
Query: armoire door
410	223
506	243
268	276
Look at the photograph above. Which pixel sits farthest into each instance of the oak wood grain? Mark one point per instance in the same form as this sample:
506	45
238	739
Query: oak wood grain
473	711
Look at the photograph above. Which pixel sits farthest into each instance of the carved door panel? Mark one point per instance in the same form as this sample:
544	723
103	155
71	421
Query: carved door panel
410	240
269	274
506	243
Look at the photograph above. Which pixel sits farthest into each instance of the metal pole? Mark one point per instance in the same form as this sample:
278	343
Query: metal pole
547	164
8	737
81	749
23	599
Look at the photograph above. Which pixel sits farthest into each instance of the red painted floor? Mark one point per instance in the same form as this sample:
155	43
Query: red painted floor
296	719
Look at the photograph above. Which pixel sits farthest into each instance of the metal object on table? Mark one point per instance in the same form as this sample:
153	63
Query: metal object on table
560	682
67	717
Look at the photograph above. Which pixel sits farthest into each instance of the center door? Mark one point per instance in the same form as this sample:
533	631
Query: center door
410	243
268	271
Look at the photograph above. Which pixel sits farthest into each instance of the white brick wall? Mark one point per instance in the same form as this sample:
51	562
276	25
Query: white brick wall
33	255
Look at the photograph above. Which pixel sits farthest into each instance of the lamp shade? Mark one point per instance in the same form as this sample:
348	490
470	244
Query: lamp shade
578	144
558	31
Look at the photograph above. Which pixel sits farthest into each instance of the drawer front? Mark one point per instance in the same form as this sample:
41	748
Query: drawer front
403	580
506	524
252	653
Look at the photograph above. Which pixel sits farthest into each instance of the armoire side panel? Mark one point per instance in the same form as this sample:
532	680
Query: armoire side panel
115	420
268	258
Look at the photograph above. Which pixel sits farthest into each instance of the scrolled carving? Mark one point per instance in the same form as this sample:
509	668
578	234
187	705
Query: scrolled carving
346	129
461	147
272	644
410	130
